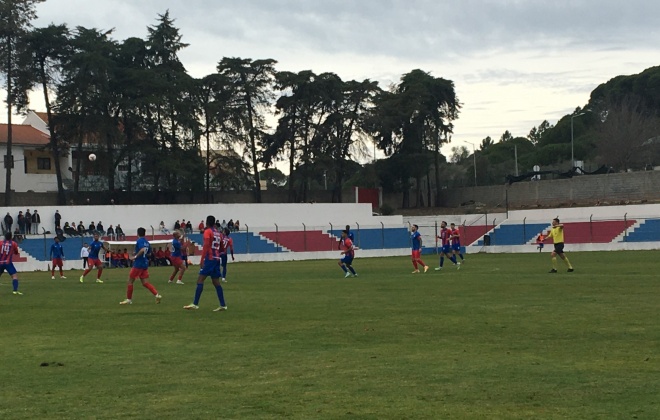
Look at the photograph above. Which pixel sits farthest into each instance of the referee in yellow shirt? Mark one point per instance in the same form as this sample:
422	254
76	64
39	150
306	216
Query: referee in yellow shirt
557	235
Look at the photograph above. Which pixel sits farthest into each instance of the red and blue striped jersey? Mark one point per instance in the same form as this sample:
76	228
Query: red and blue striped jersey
212	244
7	251
445	236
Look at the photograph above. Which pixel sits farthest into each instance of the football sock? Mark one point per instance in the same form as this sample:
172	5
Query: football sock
151	288
87	271
198	293
61	272
52	272
343	267
221	295
415	264
180	275
421	262
172	276
224	271
568	263
99	272
442	261
350	267
129	292
461	255
554	263
453	259
14	283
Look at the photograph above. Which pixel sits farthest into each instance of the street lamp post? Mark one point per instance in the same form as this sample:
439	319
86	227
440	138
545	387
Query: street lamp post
572	155
474	155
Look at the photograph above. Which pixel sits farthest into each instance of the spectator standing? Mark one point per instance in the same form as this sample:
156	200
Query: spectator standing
230	224
28	222
111	232
91	228
200	227
21	222
177	225
58	218
223	224
189	227
36	220
120	233
81	228
237	225
8	222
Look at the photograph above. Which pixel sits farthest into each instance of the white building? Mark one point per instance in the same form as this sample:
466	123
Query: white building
32	160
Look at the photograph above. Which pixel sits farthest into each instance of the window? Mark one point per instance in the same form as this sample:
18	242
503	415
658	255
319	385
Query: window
43	164
9	159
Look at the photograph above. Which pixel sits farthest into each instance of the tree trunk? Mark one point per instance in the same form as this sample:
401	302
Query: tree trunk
9	158
54	146
76	181
436	156
253	149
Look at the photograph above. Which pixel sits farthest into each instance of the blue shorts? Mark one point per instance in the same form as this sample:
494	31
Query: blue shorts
446	249
456	247
211	269
11	270
347	259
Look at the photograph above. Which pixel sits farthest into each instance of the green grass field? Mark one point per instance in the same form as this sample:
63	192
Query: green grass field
501	338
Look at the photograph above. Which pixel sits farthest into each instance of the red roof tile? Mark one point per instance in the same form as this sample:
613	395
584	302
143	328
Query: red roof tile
24	134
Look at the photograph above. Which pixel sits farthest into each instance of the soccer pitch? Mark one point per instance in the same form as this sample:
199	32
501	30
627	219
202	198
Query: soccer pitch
500	338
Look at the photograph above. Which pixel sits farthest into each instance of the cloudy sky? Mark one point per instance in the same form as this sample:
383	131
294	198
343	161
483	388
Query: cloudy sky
515	63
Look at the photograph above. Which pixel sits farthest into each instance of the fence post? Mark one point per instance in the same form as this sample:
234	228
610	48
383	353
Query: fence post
247	239
436	237
625	227
492	239
304	237
382	231
525	230
358	240
277	238
486	214
45	248
152	233
591	228
332	242
464	234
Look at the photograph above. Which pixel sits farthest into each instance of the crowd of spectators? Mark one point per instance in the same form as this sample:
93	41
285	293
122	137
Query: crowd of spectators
26	223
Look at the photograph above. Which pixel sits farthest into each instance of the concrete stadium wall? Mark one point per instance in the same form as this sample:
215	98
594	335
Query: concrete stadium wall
579	189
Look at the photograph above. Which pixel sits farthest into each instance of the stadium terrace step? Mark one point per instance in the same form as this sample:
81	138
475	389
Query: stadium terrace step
470	234
647	231
303	241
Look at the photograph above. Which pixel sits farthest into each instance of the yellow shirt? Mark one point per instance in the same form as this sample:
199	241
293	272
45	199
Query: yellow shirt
557	234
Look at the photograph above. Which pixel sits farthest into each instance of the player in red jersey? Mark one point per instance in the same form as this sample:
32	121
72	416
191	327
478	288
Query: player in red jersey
348	252
227	246
456	241
445	239
9	248
210	263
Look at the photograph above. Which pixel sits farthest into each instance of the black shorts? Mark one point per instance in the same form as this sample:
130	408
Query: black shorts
559	248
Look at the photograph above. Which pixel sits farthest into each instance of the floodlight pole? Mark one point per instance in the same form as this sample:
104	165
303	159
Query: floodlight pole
572	155
474	155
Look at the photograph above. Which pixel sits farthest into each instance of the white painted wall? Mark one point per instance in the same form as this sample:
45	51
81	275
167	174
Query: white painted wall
582	214
259	217
22	182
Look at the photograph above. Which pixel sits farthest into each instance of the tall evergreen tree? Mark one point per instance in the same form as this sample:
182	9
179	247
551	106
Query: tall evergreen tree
252	82
15	20
46	49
